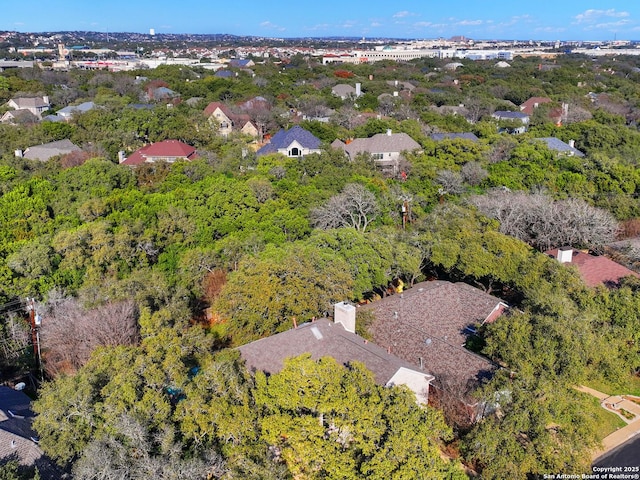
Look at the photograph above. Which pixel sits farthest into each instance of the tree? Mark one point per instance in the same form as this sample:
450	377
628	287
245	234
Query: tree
327	421
71	332
354	207
269	290
544	223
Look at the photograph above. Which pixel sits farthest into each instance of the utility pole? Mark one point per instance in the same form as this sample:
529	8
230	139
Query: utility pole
35	320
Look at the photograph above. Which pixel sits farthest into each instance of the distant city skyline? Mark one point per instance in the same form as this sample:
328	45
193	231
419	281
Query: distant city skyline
477	19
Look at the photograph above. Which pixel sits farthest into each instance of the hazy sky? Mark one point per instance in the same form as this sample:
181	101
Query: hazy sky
478	19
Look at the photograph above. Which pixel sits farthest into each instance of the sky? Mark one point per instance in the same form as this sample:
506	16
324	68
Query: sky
421	19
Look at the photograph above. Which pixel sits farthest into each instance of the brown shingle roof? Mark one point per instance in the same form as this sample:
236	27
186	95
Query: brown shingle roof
382	143
430	323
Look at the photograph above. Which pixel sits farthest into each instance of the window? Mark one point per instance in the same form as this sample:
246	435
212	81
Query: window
295	152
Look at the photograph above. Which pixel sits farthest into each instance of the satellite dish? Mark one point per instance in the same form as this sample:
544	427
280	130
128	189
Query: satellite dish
20	386
428	341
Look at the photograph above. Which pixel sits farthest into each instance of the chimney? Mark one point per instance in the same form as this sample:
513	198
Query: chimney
121	157
388	132
45	99
395	93
572	143
345	314
18	153
358	89
565	254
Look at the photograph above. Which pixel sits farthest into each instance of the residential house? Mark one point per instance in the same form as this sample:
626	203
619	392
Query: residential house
295	142
454	136
241	63
560	147
594	270
224	74
15	117
18	441
534	102
67	112
345	91
49	150
428	326
35	105
323	338
385	148
516	117
162	94
166	151
228	121
555	114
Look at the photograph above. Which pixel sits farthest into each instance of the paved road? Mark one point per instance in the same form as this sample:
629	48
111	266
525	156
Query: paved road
626	455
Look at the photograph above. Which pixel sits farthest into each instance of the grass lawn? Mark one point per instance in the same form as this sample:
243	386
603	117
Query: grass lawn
631	387
608	422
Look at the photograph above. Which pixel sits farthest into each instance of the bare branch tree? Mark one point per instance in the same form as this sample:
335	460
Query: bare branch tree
355	207
544	223
70	332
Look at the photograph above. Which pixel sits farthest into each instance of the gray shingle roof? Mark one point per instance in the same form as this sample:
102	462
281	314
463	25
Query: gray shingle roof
48	150
558	145
508	115
321	338
382	143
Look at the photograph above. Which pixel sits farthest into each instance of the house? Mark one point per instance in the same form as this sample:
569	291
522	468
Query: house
224	74
534	102
454	136
241	63
429	324
295	142
385	148
17	439
556	115
516	117
594	270
35	105
324	338
161	94
67	112
15	117
562	148
345	91
49	150
166	151
228	122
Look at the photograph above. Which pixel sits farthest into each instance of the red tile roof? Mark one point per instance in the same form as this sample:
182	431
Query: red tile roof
596	270
169	150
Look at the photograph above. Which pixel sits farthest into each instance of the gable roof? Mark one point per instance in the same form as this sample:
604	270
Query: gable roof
49	150
343	90
595	270
530	105
71	109
213	106
323	338
167	149
382	143
30	102
284	138
451	136
430	323
558	145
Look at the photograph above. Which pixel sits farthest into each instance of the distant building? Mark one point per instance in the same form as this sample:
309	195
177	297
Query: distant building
47	151
35	105
560	147
594	270
167	151
295	142
384	148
